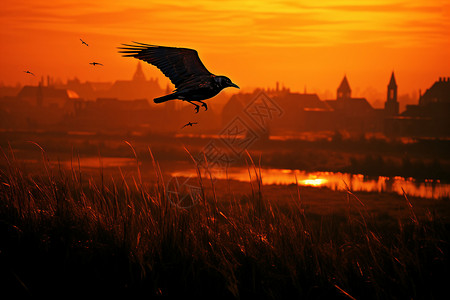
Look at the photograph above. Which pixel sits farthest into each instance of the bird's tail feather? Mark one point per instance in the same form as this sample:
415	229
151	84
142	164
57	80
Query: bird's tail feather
165	98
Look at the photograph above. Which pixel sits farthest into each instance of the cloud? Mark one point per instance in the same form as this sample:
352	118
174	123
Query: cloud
245	23
394	8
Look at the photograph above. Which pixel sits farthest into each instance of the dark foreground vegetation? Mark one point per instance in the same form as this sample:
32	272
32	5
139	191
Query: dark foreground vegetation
63	233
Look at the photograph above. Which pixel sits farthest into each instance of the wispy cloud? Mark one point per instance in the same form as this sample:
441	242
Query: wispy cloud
249	22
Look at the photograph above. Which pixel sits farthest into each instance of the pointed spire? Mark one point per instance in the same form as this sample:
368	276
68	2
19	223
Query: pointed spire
344	86
391	106
139	74
344	91
392	82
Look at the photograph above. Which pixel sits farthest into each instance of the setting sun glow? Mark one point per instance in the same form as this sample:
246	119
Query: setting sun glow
302	44
314	182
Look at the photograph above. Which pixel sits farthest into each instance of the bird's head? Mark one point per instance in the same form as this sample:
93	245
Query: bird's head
224	82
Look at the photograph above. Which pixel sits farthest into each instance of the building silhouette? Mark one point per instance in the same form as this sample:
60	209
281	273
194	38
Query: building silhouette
344	91
127	105
303	112
139	75
350	113
46	96
427	118
36	107
139	87
391	106
437	94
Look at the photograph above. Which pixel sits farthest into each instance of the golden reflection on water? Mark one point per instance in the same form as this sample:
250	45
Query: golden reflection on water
314	182
336	181
332	180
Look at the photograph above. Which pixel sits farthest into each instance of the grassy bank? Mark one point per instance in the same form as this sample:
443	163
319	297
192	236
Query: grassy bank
420	159
64	233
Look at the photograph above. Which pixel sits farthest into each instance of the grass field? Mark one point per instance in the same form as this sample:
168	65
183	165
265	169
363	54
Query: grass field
66	233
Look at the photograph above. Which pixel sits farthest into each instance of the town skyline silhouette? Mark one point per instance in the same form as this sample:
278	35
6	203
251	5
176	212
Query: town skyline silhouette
342	112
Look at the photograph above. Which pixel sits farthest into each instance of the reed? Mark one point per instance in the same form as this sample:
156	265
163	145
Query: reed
64	232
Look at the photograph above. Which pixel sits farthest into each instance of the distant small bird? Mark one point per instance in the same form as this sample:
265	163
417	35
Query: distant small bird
28	72
193	82
189	124
95	63
83	42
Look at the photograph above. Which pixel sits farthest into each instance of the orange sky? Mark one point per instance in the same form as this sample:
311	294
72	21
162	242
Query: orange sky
255	43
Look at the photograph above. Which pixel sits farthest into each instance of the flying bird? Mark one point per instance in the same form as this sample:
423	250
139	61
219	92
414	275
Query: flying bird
193	82
95	63
83	42
189	124
28	72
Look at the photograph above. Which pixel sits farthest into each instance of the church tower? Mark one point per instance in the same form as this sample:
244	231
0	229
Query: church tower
344	91
391	106
139	74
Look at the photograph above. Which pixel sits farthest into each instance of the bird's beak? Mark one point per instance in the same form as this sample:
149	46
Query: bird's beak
234	85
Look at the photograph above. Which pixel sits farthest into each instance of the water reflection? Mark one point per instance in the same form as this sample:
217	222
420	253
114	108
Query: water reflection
332	180
94	162
314	182
337	181
104	162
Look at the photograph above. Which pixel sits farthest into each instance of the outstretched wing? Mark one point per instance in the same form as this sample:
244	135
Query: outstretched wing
178	64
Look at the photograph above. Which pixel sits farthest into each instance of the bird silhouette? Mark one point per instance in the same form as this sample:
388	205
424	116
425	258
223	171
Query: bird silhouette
83	42
189	124
193	82
95	63
28	72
